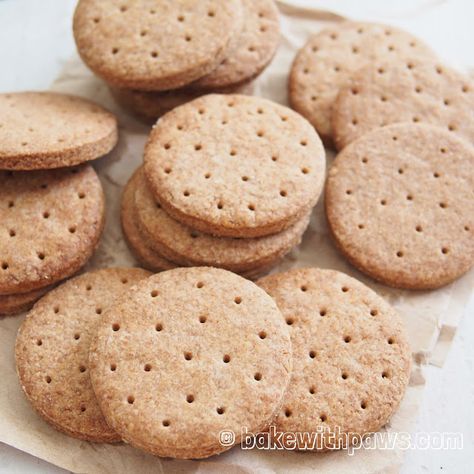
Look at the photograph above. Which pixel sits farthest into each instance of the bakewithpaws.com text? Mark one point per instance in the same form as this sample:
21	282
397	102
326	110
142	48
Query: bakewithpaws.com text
335	439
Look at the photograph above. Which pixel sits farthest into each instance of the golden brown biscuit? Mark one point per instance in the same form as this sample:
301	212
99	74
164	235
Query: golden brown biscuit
328	60
152	45
399	205
50	225
418	91
40	130
182	357
235	166
52	351
351	359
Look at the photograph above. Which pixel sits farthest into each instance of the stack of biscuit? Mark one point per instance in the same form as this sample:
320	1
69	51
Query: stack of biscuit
399	194
228	181
157	55
51	202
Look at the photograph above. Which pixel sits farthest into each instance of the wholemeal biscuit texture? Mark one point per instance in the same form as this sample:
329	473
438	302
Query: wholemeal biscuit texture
329	59
18	302
351	359
234	165
400	206
253	49
149	106
191	248
50	223
418	91
52	351
186	354
152	45
40	130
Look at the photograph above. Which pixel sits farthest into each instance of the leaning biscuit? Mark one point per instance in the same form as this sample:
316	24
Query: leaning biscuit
416	91
186	354
351	359
50	223
155	45
234	165
328	60
399	205
40	130
52	350
253	49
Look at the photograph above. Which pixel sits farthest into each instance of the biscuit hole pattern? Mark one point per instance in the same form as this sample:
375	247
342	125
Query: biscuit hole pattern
39	342
303	288
322	312
220	205
81	195
83	408
115	327
220	410
287	412
199	284
385	374
290	321
251	207
188	355
56	309
188	38
344	289
257	376
166	423
418	228
444	250
305	170
399	254
344	376
154	54
390	340
131	399
347	339
88	287
98	311
41	255
72	229
147	367
237	300
158	327
82	368
77	336
283	193
363	405
11	233
226	358
373	312
323	418
113	367
202	319
312	354
48	379
115	50
124	281
4	266
190	398
262	335
312	390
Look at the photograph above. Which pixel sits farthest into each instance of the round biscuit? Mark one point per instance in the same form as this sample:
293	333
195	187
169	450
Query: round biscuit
182	357
400	206
41	130
52	351
418	91
155	45
50	224
351	359
328	60
188	247
235	166
253	49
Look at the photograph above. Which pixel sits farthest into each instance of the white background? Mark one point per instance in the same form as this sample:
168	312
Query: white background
35	40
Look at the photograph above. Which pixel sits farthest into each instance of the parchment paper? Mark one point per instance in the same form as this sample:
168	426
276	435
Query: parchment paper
431	317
